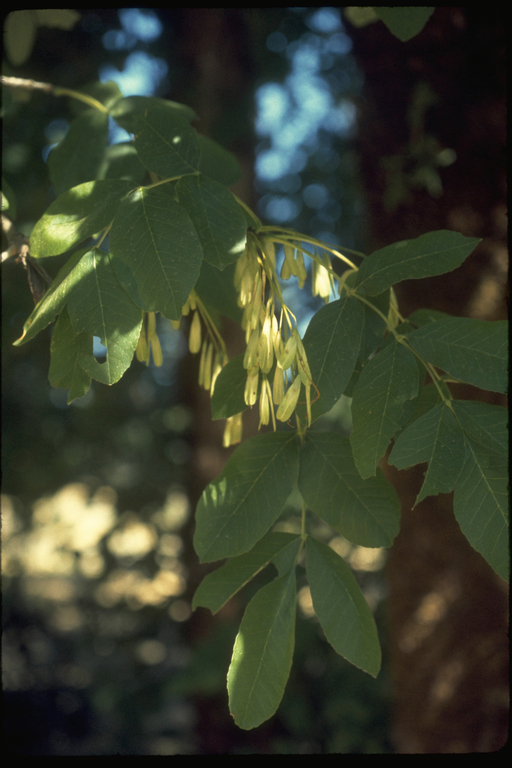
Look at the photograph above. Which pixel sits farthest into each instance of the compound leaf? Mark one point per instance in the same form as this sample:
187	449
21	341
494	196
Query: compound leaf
366	512
481	504
54	299
474	351
77	214
166	142
239	506
341	609
431	254
79	155
128	110
99	306
436	438
228	395
217	218
332	343
155	251
263	653
485	423
121	161
67	348
380	403
218	587
217	162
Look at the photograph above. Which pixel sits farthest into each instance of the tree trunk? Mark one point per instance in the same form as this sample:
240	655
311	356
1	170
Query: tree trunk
216	78
447	609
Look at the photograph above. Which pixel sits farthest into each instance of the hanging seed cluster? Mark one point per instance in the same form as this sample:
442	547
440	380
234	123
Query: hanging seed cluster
275	359
212	348
148	341
259	295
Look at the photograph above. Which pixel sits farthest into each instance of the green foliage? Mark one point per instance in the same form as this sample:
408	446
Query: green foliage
432	254
263	653
239	507
341	609
332	343
154	228
77	215
78	158
404	23
20	29
366	512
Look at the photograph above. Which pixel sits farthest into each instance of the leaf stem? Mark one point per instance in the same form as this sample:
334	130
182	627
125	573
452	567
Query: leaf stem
34	85
303	522
248	210
401	339
92	102
212	329
167	181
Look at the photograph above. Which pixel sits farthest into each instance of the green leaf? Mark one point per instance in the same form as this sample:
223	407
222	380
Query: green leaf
54	299
341	609
156	252
436	438
217	291
428	398
79	155
217	218
405	22
127	111
423	316
431	254
218	587
62	18
76	215
374	325
228	395
263	653
286	559
366	512
240	505
481	505
379	405
66	350
20	28
332	343
485	423
166	142
121	161
99	306
474	351
481	494
107	93
217	162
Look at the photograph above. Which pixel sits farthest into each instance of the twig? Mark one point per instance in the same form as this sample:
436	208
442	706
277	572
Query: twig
21	82
33	85
38	277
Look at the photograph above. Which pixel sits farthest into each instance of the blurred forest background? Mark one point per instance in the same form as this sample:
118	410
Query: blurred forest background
344	133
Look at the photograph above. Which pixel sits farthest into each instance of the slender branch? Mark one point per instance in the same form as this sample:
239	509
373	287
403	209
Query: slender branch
33	85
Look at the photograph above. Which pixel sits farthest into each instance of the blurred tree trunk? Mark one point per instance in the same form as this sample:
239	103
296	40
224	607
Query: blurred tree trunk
216	77
447	609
